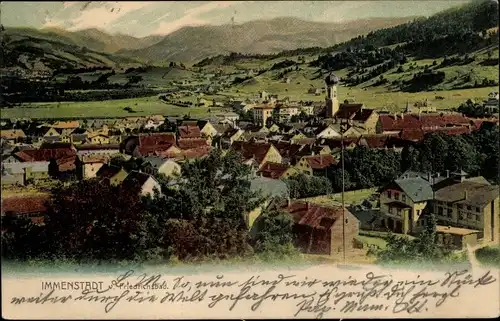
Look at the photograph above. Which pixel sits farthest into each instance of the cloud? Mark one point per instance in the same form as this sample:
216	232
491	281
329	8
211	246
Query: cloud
96	15
191	16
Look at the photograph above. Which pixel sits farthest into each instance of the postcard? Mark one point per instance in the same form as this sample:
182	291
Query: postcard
250	159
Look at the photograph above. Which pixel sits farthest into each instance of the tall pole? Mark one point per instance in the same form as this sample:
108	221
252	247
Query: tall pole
343	188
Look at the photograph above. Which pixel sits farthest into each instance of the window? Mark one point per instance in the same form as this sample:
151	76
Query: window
403	197
418	212
478	218
459	206
462	215
469	208
396	196
389	194
440	211
470	216
477	209
399	211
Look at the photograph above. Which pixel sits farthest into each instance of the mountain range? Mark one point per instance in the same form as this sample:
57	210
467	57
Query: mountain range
256	37
53	47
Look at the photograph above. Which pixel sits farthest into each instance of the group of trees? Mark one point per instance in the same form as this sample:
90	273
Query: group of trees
202	216
424	80
476	153
472	109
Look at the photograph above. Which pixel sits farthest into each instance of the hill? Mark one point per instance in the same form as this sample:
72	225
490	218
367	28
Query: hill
454	49
31	51
93	39
263	37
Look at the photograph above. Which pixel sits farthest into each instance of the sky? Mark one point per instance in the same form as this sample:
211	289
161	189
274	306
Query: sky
143	18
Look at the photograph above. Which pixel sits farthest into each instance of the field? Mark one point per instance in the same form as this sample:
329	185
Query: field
108	108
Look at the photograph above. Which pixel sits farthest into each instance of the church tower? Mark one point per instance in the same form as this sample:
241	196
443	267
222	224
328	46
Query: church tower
332	102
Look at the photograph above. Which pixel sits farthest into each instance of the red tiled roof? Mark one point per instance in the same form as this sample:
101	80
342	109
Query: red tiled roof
44	155
97	146
412	134
313	215
423	121
157	139
252	150
25	204
287	149
347	111
189	132
363	115
374	141
458	130
66	163
189	153
189	143
320	161
273	170
153	149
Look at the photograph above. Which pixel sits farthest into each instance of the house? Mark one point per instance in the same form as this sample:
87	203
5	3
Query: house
9	179
65	167
285	112
188	132
319	229
154	165
31	172
469	204
207	129
142	183
230	136
113	174
326	132
228	118
402	203
78	139
12	135
315	164
276	170
288	151
149	144
97	149
260	152
490	105
261	113
97	138
356	115
33	207
89	165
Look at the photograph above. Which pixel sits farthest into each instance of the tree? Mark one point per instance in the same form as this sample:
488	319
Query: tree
274	233
94	221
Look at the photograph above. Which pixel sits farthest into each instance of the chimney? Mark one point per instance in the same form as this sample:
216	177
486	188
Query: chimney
307	205
447	173
402	116
288	201
465	195
312	153
438	174
429	176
